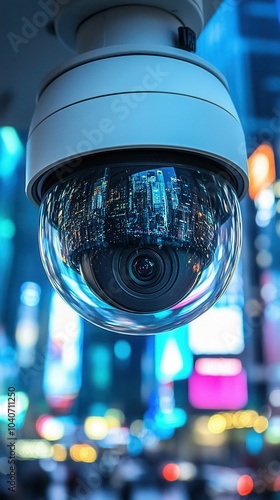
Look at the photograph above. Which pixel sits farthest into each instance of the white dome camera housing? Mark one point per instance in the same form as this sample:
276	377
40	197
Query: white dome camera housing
135	154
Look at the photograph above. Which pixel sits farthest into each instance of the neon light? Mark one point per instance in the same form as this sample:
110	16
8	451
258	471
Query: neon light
101	366
228	392
218	366
173	358
62	374
171	352
218	331
261	169
174	418
11	152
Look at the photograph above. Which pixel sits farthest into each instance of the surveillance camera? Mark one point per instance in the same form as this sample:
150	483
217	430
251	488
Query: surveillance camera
135	155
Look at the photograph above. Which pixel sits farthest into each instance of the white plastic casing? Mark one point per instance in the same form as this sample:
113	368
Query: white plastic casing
108	101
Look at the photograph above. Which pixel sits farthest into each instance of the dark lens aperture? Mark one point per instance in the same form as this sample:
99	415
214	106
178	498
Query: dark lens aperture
144	267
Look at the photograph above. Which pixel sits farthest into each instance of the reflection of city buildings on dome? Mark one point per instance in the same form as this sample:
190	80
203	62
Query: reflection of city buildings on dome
157	207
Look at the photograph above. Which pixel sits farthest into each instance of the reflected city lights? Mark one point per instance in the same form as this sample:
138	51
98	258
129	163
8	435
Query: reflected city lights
171	472
18	410
96	427
187	471
116	414
202	436
33	449
218	366
30	294
272	434
173	345
245	485
50	428
7	228
137	428
254	442
242	419
274	398
122	350
11	151
261	424
226	392
83	453
261	169
59	452
217	424
63	364
134	446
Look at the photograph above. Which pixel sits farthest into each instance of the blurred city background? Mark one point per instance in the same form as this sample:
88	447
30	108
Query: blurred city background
104	416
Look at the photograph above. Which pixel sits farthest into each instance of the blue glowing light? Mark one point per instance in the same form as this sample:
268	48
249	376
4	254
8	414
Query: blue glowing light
162	432
134	446
21	407
63	363
254	442
7	228
170	419
30	294
100	366
11	150
173	357
122	350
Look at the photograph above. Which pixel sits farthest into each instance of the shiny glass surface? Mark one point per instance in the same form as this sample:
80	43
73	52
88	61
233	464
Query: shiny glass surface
140	250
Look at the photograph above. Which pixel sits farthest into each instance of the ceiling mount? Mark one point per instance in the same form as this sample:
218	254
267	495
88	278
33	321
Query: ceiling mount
188	13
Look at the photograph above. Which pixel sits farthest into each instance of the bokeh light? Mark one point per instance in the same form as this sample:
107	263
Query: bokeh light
96	427
171	472
245	485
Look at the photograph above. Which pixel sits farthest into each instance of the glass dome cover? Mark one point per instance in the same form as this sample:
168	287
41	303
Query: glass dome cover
140	249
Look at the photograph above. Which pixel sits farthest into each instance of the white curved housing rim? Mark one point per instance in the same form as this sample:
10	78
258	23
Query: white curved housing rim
134	99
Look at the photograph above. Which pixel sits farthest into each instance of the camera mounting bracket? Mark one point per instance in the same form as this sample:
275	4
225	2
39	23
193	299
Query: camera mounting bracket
188	13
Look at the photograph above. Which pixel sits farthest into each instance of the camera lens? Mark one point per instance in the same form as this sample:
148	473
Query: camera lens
127	245
144	268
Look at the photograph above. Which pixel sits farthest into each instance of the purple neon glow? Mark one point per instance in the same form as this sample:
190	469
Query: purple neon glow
218	392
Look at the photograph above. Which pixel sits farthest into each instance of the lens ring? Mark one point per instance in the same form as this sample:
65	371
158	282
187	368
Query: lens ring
166	268
144	268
